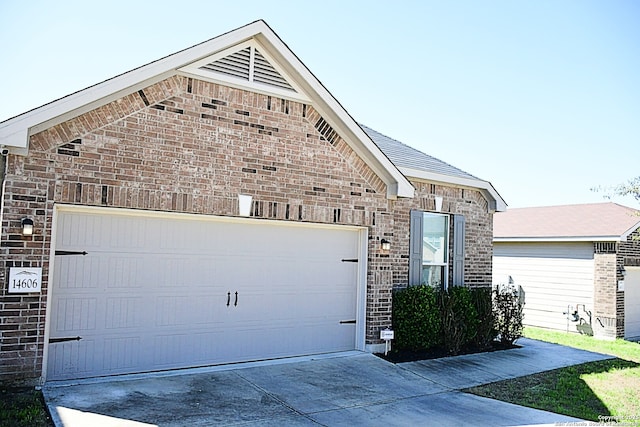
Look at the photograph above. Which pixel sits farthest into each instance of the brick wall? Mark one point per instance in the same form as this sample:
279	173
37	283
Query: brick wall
478	230
605	290
184	145
628	255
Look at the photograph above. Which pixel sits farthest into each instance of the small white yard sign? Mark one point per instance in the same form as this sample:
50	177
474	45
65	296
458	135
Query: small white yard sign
23	280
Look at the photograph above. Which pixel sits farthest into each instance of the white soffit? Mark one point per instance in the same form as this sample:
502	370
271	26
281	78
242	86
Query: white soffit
246	65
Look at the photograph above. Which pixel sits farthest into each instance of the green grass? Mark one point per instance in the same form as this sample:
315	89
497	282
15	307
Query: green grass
620	348
23	407
588	391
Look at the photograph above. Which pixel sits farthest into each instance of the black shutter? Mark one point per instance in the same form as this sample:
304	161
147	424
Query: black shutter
415	248
458	250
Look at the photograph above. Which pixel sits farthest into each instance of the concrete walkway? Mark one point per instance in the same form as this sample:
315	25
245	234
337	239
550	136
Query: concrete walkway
349	389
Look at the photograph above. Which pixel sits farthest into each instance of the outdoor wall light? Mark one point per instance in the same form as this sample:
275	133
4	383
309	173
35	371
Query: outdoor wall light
438	203
27	226
244	204
385	244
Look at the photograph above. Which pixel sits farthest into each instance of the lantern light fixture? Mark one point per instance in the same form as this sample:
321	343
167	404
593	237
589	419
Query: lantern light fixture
27	226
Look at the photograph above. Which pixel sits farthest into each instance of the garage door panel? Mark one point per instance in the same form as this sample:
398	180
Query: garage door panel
87	271
152	292
124	312
632	303
121	353
177	349
72	359
75	314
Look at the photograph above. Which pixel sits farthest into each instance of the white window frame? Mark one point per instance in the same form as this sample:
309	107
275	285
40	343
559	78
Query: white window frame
447	241
455	265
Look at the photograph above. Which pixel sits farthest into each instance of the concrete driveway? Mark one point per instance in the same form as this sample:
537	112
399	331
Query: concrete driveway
347	389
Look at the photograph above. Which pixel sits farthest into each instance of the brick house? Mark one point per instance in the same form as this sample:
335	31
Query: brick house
579	266
217	206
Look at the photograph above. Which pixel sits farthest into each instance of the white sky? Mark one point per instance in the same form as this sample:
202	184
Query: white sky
540	97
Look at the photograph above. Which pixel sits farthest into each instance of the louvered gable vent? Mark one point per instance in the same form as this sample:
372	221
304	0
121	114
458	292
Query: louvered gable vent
250	65
237	64
263	72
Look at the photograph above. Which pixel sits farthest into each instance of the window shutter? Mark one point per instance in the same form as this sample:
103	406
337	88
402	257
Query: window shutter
415	248
458	250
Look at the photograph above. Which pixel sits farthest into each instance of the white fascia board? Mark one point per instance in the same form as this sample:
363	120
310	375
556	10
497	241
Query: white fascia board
14	137
331	110
557	239
14	132
627	233
496	203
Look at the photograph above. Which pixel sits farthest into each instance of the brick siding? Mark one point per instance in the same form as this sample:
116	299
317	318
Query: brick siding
628	255
478	230
184	145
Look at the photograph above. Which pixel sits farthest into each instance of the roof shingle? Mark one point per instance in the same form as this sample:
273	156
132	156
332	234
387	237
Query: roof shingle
402	155
584	221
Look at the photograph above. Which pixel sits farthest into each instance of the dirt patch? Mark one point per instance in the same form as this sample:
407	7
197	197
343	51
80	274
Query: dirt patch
403	355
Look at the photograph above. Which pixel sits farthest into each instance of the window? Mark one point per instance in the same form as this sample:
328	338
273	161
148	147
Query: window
430	247
435	249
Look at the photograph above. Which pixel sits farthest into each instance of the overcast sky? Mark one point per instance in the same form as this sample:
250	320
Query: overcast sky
541	98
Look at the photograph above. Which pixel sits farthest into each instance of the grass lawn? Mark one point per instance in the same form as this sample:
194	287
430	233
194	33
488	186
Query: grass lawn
23	407
588	391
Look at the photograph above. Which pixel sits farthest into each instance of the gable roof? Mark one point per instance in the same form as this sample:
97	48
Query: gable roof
585	222
416	164
204	61
254	57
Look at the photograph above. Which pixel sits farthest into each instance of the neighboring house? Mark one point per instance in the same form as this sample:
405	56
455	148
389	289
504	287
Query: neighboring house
579	266
216	206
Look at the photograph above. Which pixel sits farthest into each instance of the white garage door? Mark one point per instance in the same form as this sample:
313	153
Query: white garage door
632	303
553	277
163	292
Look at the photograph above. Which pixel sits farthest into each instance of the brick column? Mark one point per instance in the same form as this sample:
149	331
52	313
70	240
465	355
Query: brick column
605	291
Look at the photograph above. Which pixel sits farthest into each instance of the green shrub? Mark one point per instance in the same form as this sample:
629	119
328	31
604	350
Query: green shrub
508	312
416	318
425	317
485	330
459	318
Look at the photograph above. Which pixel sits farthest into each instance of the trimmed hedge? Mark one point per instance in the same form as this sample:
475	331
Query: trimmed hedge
416	318
486	328
425	318
459	318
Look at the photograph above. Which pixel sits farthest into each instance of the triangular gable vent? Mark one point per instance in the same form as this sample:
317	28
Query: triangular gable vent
247	65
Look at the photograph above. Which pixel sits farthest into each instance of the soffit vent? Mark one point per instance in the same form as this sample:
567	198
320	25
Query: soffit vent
250	65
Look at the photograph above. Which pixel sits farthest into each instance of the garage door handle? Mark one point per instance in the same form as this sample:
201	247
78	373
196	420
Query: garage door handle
228	298
236	303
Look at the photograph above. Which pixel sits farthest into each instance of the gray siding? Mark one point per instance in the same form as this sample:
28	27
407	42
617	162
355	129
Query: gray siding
553	276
